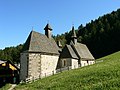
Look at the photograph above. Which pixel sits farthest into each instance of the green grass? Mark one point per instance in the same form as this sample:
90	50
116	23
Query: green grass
6	87
100	76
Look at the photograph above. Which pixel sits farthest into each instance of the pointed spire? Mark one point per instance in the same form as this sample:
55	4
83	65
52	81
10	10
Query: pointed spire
73	33
48	31
74	37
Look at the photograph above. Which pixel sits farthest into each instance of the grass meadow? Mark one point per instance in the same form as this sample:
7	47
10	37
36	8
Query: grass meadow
100	76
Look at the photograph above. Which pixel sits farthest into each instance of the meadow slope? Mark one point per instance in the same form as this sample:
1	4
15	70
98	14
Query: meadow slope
100	76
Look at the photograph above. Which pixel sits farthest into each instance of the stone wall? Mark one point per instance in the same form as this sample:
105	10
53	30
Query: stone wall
23	66
34	65
48	64
37	65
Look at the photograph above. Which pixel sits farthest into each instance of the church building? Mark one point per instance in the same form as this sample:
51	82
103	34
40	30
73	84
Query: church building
75	54
40	55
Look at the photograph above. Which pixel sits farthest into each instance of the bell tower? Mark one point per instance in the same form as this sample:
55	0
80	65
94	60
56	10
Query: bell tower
48	31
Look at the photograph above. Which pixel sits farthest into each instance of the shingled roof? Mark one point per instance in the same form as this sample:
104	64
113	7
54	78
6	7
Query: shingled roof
77	51
37	42
82	51
68	52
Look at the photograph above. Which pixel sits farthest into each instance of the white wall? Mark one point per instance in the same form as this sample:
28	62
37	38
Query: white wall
65	62
69	62
23	66
48	64
91	62
85	63
74	63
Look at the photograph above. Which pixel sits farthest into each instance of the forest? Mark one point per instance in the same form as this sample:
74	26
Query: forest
11	53
102	36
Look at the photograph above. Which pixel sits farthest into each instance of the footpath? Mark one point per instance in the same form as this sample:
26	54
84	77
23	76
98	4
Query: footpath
12	87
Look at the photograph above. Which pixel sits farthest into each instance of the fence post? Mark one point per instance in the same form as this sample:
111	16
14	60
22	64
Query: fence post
39	76
68	68
53	72
45	74
60	70
24	81
33	79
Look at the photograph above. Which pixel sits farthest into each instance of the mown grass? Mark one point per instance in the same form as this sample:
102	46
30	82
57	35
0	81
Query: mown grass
100	76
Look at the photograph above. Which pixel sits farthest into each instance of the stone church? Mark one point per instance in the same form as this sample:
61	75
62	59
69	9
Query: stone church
41	55
75	54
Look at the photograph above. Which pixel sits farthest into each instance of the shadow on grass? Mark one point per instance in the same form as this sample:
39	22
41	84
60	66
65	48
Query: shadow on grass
2	84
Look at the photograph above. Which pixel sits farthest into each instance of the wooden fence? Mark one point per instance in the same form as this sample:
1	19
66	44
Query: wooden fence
33	79
63	69
99	61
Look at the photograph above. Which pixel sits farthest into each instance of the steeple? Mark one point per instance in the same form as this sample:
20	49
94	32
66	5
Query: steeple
74	37
48	31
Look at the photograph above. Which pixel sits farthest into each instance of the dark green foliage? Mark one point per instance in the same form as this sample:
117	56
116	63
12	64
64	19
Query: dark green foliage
60	38
11	53
102	36
64	38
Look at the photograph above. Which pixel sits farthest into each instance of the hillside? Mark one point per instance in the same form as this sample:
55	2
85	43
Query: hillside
102	36
100	76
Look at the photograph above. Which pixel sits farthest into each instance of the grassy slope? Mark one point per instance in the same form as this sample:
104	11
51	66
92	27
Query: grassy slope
101	76
6	87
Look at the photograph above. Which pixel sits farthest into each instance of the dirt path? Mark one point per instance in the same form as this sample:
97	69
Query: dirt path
12	87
